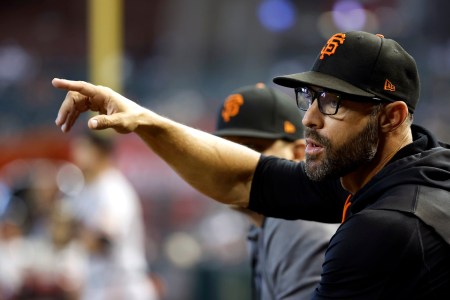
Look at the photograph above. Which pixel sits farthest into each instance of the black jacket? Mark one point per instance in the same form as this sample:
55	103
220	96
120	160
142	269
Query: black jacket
417	181
394	241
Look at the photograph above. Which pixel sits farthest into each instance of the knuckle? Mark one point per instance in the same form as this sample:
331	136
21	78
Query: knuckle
103	123
105	89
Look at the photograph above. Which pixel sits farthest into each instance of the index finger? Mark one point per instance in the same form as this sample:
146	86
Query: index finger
82	87
75	102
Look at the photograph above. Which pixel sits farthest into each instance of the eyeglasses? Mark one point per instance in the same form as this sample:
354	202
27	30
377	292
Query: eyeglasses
328	102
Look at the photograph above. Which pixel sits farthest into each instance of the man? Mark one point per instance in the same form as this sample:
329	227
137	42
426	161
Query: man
286	256
359	98
111	225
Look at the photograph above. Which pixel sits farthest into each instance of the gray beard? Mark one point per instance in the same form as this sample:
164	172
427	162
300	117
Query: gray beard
340	161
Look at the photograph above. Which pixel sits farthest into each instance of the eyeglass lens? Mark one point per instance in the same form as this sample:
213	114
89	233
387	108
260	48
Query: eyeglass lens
328	102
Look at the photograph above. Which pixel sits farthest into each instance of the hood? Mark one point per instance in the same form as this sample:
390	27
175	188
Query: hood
424	162
417	181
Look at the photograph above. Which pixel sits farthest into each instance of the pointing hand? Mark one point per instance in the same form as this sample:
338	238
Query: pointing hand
115	111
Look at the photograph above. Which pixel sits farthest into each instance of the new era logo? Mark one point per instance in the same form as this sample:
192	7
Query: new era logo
289	127
388	86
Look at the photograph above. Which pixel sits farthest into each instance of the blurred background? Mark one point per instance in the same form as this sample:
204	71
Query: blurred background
180	59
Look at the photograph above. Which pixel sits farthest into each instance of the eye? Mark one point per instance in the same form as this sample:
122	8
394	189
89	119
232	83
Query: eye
306	93
329	99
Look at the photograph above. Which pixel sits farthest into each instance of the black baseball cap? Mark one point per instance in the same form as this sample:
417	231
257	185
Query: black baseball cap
362	64
261	112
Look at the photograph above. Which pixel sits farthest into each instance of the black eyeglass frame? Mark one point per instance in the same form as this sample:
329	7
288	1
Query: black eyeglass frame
339	96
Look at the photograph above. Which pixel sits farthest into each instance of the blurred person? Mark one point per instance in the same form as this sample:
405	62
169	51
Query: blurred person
54	269
13	246
68	258
42	196
359	100
40	263
111	225
286	256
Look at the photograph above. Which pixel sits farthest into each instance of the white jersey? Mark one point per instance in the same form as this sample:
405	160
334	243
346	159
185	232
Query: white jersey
109	205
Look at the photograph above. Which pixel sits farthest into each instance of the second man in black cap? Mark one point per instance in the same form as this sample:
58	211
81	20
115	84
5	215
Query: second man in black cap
286	256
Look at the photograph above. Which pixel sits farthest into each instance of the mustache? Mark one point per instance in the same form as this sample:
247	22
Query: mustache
313	134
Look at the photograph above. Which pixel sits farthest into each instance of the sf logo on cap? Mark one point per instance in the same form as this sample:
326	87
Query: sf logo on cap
332	44
231	106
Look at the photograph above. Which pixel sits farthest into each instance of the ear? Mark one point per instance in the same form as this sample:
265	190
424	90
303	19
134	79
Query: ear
393	115
299	149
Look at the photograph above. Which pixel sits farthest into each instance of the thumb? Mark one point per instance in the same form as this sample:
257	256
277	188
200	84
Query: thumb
93	123
100	122
108	121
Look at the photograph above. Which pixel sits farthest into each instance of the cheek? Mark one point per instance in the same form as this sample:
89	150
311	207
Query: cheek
340	137
345	128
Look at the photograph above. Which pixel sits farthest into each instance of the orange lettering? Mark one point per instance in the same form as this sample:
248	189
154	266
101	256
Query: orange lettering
332	44
231	106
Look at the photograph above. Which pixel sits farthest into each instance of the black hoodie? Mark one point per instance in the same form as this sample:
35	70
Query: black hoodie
394	241
416	181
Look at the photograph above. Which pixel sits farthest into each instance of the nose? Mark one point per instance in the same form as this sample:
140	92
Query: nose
313	118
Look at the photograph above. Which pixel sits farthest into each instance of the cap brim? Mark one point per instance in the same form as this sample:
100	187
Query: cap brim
248	133
320	80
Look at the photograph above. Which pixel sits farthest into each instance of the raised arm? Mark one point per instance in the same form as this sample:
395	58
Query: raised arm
214	166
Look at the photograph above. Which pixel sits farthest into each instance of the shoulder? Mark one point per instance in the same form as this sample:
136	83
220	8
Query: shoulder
296	238
299	228
293	255
277	164
374	223
372	238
